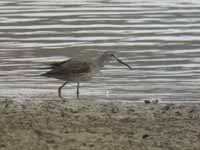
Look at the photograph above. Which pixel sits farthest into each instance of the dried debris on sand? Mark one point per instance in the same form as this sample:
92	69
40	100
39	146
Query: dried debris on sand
88	125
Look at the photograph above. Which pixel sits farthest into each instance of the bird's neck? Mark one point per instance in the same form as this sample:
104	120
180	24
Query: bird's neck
101	61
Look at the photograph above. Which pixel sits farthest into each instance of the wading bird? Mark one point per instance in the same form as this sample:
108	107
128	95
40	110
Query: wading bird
76	70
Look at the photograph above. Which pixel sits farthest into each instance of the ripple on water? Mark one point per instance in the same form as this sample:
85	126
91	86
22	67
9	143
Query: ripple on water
159	39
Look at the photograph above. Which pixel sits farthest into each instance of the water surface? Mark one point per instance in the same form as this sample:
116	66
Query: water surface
160	40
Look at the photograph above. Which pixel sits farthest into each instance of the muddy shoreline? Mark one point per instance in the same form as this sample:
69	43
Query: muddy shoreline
88	125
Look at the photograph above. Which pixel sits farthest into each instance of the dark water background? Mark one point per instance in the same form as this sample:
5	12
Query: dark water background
159	39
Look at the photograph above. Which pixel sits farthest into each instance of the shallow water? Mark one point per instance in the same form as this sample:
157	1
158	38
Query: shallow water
160	40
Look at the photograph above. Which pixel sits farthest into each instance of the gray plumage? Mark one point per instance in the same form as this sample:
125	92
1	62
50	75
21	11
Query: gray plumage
75	70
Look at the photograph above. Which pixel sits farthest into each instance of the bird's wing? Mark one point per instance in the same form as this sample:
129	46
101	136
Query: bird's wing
70	67
76	66
56	64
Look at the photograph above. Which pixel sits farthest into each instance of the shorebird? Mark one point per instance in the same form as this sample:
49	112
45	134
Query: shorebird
76	70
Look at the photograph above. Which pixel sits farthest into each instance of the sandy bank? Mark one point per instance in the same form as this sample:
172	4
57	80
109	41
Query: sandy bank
88	125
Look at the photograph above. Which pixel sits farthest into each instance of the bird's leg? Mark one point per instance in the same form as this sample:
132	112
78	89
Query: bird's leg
77	92
60	88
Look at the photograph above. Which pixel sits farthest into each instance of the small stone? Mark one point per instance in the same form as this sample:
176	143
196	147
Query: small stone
62	113
155	101
130	110
115	110
167	107
198	136
145	136
50	141
178	113
74	110
147	101
2	146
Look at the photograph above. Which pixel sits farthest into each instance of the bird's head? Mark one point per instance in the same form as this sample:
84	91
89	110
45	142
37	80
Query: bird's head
109	55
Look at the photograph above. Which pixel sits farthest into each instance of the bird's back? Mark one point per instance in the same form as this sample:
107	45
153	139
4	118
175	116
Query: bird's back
69	70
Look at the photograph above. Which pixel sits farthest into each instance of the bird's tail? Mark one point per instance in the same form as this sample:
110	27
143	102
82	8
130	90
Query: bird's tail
43	74
45	69
46	74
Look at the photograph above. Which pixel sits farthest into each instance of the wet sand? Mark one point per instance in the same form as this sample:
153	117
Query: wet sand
92	125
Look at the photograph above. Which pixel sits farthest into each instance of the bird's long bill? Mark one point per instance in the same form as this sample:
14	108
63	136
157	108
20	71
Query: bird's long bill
120	61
